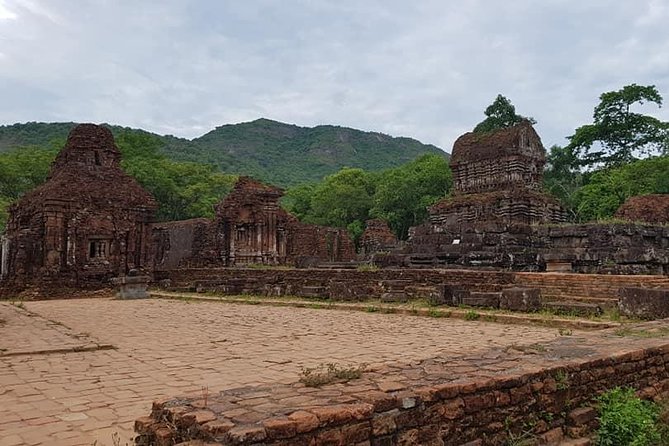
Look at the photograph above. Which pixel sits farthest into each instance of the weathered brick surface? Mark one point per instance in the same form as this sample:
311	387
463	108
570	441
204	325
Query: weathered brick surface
434	403
652	208
69	392
521	299
619	248
439	286
336	284
644	303
250	227
377	237
88	223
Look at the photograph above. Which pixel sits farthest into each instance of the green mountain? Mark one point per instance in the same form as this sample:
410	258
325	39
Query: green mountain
275	152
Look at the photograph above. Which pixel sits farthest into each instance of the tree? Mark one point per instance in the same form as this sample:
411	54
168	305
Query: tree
182	189
562	177
404	193
499	115
343	200
618	134
608	188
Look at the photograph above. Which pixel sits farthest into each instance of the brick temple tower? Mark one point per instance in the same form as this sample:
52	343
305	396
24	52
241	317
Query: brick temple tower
87	223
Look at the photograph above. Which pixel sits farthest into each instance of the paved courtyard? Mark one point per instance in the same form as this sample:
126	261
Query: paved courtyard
78	372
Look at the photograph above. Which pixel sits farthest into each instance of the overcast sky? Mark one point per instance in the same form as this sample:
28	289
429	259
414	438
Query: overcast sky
423	69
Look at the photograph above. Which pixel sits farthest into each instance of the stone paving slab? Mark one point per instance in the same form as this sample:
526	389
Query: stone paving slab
485	314
46	336
477	398
168	347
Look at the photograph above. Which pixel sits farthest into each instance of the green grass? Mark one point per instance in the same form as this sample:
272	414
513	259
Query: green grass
645	333
561	380
367	267
472	315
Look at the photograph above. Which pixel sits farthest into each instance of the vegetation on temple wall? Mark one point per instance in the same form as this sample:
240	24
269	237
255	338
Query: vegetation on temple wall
625	419
500	114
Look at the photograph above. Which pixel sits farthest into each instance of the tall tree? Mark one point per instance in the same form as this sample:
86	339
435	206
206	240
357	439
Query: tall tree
499	115
608	188
562	177
619	135
404	193
343	200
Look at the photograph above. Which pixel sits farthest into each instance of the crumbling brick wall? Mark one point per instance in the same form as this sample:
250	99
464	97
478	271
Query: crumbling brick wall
377	237
250	227
653	208
496	203
503	159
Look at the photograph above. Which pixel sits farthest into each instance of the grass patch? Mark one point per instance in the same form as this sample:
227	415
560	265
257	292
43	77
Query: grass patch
367	267
561	380
472	315
19	304
438	313
329	373
645	333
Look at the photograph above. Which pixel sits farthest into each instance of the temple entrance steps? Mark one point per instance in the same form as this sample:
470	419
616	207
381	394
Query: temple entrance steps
595	289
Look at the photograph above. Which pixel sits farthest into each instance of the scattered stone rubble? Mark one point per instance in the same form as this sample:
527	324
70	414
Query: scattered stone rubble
653	208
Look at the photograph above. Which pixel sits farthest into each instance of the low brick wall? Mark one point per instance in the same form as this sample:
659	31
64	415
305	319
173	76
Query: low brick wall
484	399
337	284
405	283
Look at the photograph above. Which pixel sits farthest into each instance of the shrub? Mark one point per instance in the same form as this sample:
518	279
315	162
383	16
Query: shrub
626	420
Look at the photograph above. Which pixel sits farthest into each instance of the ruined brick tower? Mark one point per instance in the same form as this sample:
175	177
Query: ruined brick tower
496	202
497	178
89	221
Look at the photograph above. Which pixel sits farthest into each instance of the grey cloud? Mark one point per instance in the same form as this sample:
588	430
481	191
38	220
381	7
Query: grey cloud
424	69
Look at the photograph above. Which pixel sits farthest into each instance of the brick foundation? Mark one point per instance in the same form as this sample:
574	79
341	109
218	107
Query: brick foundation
441	401
405	284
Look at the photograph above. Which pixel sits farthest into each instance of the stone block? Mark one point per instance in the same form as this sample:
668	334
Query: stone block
482	299
644	303
457	296
558	267
429	293
394	296
521	299
132	286
582	416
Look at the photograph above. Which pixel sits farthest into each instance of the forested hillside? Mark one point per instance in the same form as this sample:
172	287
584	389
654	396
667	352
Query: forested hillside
278	153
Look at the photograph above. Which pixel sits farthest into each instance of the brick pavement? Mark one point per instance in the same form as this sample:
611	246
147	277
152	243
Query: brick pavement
167	348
